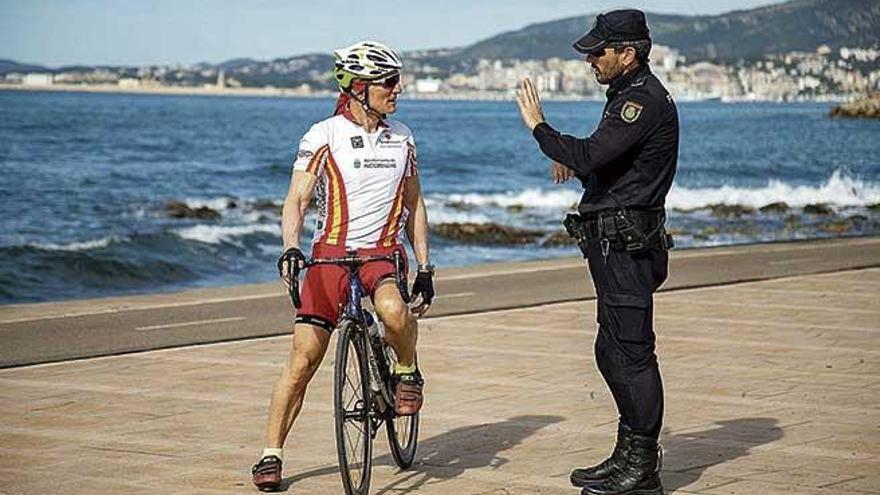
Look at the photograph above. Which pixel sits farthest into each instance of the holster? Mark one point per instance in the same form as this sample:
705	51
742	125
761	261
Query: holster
578	229
631	231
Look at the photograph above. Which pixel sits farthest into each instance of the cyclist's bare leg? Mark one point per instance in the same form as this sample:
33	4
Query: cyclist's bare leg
402	329
309	345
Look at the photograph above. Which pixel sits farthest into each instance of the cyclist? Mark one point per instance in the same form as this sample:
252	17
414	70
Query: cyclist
363	170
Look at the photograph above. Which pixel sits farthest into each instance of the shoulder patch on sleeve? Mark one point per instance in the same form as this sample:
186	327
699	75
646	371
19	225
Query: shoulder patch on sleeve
631	111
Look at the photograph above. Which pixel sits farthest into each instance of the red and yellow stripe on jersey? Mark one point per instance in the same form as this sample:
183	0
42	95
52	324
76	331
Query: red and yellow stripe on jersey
336	220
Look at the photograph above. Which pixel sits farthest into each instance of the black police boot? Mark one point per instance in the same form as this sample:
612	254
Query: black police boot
639	473
581	476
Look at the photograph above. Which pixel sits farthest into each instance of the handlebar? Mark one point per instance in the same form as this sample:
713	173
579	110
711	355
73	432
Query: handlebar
295	264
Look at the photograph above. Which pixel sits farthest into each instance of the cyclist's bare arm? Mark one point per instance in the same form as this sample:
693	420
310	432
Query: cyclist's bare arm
299	194
417	221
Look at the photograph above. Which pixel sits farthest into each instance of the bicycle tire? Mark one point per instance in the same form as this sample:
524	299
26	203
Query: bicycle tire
351	365
403	431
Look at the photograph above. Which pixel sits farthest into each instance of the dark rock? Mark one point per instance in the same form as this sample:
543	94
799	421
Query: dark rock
557	239
268	205
868	107
818	209
265	204
179	209
778	207
486	233
686	210
837	226
730	211
205	213
515	208
231	204
460	205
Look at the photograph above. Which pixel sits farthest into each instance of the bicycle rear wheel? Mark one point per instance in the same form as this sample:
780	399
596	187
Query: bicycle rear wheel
403	431
351	401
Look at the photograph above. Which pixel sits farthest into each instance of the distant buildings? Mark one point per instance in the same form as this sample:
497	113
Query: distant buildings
824	73
38	79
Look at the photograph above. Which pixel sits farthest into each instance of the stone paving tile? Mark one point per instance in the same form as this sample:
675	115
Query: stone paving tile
775	398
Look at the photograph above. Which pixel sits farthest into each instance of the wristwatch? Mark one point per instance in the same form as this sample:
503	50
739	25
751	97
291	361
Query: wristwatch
426	268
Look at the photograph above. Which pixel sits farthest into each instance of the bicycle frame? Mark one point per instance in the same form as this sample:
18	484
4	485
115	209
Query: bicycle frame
352	262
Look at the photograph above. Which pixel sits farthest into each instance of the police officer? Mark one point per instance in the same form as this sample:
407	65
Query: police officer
626	166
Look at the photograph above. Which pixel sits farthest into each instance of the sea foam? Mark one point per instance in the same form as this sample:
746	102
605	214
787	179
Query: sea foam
530	198
80	245
840	190
216	234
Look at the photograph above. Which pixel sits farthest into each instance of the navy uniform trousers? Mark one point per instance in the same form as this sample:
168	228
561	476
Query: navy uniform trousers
625	284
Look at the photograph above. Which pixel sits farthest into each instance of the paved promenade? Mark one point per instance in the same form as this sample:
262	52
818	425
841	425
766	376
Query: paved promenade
773	387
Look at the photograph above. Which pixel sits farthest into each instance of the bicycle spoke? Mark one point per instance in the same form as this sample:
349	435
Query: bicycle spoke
355	452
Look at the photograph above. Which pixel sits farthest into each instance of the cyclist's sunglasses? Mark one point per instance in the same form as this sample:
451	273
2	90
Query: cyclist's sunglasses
389	82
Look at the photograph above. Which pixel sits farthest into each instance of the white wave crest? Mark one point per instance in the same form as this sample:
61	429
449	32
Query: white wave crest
80	245
529	198
840	190
446	215
216	234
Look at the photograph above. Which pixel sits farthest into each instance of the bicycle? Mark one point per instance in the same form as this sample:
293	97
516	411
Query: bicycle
363	397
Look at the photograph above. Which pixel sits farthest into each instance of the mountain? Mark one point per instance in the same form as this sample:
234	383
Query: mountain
8	66
798	25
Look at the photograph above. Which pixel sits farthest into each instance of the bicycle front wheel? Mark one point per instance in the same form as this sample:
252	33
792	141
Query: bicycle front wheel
403	431
351	401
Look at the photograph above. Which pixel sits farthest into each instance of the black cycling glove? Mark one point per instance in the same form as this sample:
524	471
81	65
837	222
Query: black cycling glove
424	286
292	255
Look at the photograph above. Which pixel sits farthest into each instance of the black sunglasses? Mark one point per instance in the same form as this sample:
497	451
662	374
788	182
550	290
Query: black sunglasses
389	82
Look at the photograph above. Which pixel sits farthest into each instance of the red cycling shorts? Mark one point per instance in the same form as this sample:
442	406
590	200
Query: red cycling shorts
324	290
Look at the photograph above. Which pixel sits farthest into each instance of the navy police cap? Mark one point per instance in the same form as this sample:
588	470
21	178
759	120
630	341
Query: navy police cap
617	25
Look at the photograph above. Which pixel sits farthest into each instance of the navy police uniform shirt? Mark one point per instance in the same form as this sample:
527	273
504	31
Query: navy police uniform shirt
630	160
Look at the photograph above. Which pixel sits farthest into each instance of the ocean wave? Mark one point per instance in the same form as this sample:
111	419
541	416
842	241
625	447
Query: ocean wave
80	245
840	190
217	234
531	198
446	215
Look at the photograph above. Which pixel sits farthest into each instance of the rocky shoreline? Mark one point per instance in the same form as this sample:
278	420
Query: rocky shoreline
729	219
866	108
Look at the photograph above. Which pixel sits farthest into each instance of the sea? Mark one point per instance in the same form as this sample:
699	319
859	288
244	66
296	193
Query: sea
86	181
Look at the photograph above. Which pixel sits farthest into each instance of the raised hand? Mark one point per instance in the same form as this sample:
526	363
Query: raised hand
529	104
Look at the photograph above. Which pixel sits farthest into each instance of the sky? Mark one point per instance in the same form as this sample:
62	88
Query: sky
166	32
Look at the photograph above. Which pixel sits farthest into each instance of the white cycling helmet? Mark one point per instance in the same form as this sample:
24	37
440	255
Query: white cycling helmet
365	60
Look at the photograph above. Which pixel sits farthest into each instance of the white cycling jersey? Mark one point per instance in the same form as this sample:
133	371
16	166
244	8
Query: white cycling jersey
360	180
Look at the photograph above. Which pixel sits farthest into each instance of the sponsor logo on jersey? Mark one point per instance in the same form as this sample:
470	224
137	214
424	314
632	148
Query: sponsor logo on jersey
357	163
357	142
386	140
304	154
380	163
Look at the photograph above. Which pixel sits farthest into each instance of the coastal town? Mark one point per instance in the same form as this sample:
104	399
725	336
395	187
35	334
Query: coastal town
824	74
